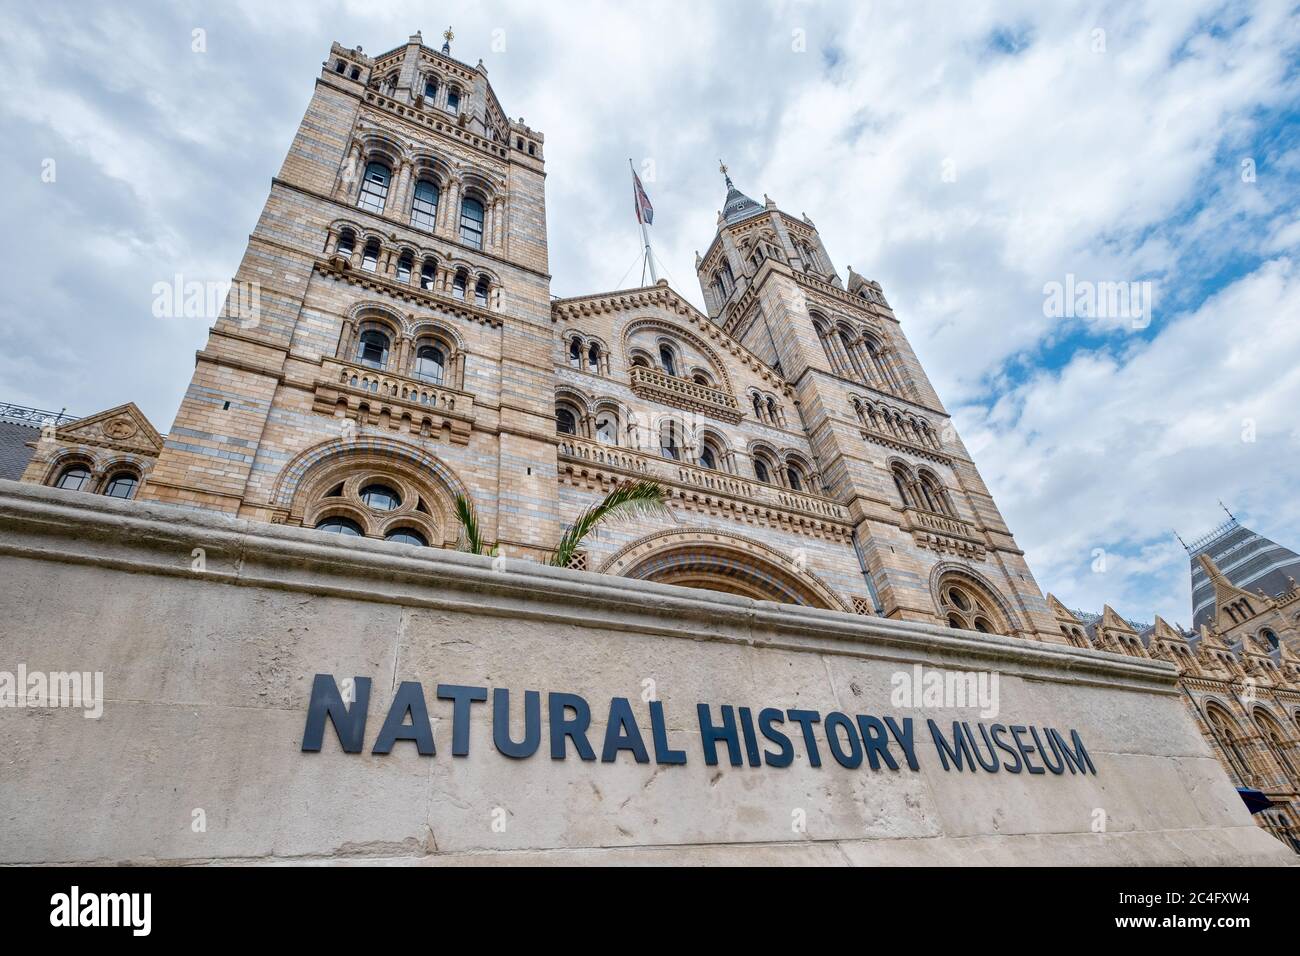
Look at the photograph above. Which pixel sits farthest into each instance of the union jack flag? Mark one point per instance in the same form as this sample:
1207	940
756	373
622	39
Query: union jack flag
644	211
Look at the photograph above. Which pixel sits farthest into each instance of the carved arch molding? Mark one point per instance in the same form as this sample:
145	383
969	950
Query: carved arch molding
729	563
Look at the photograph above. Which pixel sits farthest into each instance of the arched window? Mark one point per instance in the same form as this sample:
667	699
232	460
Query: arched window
405	263
667	359
338	525
932	494
458	286
430	364
903	482
640	361
607	429
372	348
122	485
74	478
338	66
708	457
431	89
453	99
1224	731
669	441
965	605
428	274
772	415
471	222
566	423
406	536
1275	741
424	205
794	477
1269	639
370	256
762	471
380	497
593	359
481	292
758	406
575	353
374	187
347	242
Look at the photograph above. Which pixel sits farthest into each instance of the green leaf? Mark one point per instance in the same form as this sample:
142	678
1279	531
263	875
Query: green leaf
471	539
634	499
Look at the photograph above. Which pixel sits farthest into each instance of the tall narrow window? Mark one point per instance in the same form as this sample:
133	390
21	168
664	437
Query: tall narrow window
428	273
347	242
405	263
374	187
593	359
607	430
372	349
424	206
758	406
668	441
565	422
453	100
668	360
471	222
761	471
370	257
708	458
458	286
794	478
430	90
575	353
430	364
481	292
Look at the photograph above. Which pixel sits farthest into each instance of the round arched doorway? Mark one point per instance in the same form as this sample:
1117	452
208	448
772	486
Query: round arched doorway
715	562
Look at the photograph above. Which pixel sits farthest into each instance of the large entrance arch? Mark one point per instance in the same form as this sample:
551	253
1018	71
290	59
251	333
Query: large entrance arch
729	563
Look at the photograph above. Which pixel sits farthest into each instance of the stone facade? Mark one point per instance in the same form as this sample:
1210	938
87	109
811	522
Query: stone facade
209	631
390	345
391	323
1239	672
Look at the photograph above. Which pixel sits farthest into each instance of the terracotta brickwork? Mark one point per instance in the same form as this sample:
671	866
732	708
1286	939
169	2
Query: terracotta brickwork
391	324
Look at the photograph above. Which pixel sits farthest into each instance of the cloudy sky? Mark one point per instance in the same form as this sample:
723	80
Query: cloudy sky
966	156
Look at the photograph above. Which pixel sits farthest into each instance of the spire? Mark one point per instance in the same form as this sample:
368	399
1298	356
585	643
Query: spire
447	37
738	206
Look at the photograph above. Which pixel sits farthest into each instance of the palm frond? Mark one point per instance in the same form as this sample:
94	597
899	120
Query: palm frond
633	499
471	539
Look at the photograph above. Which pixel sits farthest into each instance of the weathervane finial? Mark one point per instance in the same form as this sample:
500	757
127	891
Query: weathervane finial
447	37
722	168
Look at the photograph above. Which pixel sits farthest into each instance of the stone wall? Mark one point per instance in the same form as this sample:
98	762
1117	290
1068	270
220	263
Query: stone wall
209	664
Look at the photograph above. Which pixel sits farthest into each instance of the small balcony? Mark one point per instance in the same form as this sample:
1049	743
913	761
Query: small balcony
944	533
656	386
375	396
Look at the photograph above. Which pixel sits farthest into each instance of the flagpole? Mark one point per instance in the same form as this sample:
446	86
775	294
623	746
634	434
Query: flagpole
645	235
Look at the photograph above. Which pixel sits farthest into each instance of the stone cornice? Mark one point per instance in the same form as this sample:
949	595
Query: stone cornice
408	293
46	524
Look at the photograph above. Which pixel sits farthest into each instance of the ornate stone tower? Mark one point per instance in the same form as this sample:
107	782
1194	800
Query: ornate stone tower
392	309
885	446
